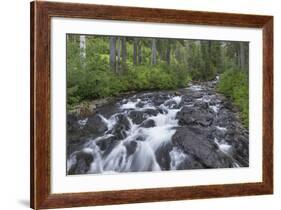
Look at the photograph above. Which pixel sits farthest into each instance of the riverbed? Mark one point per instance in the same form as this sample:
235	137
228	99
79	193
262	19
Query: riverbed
190	128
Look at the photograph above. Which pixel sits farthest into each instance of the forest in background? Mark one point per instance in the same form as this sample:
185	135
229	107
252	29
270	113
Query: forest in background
105	66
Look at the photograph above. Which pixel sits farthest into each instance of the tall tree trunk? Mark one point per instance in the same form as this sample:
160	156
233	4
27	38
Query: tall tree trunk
124	52
210	56
206	58
168	53
139	52
82	47
118	53
135	44
242	56
112	57
153	52
237	54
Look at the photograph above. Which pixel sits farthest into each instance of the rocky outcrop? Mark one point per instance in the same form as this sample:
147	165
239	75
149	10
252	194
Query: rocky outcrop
196	143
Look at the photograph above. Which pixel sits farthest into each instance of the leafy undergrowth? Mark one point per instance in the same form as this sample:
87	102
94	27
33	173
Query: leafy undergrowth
234	85
98	82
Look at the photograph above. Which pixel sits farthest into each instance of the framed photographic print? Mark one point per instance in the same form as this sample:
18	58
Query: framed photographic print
140	105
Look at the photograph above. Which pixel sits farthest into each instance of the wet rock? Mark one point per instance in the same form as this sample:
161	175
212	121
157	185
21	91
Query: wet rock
190	163
83	163
105	143
140	104
177	93
137	116
140	138
159	100
74	143
95	126
193	115
194	141
151	112
72	123
131	147
219	133
74	133
122	125
197	95
201	105
148	123
162	155
227	105
240	145
171	104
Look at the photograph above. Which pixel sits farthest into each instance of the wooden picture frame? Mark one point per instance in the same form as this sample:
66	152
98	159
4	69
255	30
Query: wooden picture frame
41	14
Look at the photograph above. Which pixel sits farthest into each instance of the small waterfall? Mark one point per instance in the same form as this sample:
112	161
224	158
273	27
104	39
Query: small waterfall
138	136
135	152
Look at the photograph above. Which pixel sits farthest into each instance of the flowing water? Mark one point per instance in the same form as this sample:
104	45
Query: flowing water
138	136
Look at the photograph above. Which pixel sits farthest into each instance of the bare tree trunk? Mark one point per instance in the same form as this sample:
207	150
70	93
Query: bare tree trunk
118	53
139	53
209	55
153	52
135	51
168	53
112	57
82	47
242	56
124	52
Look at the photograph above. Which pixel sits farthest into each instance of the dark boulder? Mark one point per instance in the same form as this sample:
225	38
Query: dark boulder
122	125
83	163
163	155
202	105
95	126
131	147
194	141
227	105
107	144
240	145
219	133
193	115
190	163
137	116
160	99
74	143
140	138
148	123
225	118
72	123
197	95
74	131
171	104
140	104
151	112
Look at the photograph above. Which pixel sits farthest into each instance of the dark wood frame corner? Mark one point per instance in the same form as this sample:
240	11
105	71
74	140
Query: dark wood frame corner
41	14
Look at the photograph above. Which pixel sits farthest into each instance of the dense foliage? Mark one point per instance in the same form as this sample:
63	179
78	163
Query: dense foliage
234	84
90	77
103	66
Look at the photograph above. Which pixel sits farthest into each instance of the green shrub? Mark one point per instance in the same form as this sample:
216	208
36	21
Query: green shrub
234	84
91	78
97	81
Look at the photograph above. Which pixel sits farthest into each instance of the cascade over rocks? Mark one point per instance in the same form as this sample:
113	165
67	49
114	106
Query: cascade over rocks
191	128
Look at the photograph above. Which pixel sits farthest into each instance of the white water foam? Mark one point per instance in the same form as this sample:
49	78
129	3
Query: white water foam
223	146
195	87
177	157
